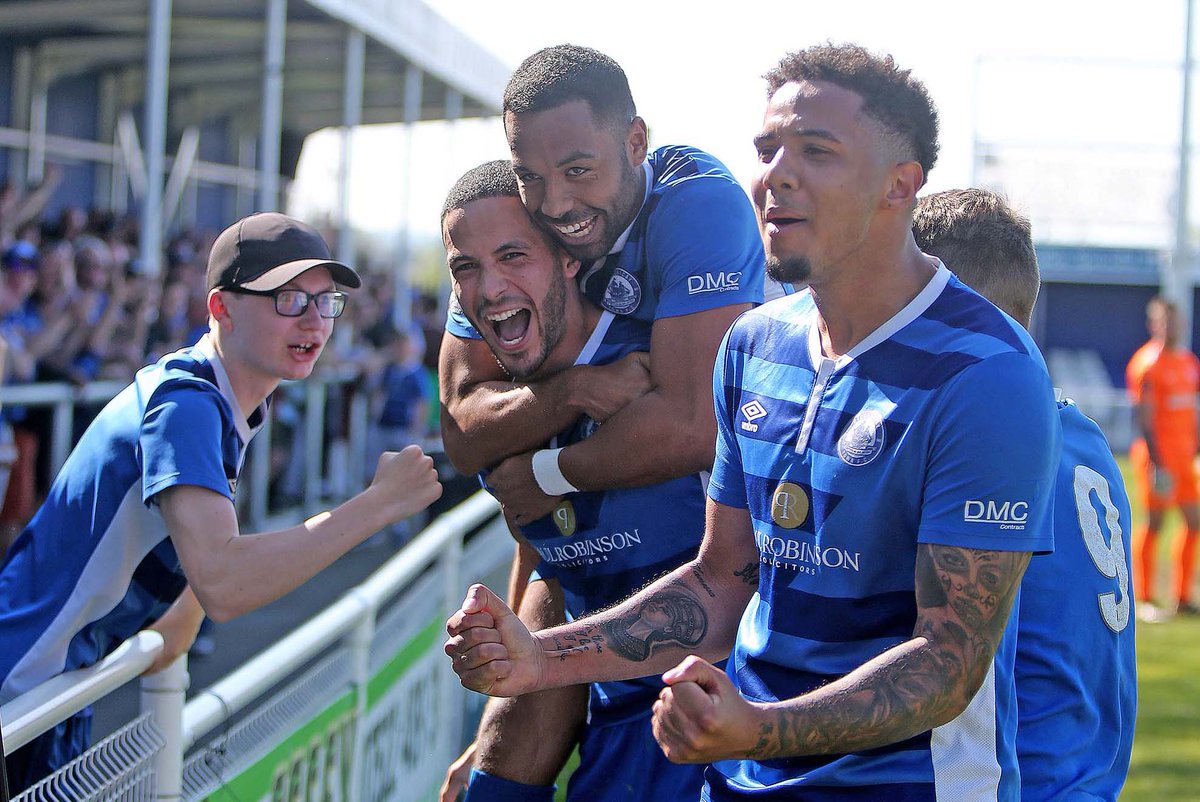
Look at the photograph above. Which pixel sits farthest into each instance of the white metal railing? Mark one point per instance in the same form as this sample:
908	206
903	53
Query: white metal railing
434	561
324	478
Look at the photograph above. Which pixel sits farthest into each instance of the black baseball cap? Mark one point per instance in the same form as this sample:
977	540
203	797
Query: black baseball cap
267	250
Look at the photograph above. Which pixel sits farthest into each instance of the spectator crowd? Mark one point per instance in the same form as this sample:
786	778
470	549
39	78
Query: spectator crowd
76	306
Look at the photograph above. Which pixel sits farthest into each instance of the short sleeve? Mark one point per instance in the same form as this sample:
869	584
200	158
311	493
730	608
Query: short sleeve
708	252
457	322
727	484
182	440
993	458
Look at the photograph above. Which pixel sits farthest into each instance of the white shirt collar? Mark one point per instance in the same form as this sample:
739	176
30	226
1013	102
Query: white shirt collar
914	309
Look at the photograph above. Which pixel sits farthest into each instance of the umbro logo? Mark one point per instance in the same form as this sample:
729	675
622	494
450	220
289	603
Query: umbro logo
752	411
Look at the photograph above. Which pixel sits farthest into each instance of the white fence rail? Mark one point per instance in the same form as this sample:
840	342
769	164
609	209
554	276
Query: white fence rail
326	468
357	704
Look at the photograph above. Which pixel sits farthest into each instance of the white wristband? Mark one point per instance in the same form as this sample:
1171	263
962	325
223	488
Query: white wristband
548	475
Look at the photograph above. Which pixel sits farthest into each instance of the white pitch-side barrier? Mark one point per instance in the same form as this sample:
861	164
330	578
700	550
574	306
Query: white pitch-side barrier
357	705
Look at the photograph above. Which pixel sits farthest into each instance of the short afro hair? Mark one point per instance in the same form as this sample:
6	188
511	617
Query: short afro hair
557	75
891	96
493	179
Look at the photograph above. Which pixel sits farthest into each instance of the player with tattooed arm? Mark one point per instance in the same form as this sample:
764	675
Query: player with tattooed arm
886	451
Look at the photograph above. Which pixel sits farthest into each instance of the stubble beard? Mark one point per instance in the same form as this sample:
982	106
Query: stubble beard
553	324
789	269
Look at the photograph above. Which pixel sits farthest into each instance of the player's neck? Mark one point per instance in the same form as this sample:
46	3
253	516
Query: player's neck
582	316
856	298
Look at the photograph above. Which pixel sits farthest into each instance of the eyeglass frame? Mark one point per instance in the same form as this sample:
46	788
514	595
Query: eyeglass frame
309	298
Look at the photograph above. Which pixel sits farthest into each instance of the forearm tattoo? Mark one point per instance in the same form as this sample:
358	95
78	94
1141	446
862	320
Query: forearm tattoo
964	597
671	617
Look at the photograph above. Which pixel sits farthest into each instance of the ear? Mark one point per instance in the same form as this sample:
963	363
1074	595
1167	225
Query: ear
570	265
218	310
905	180
637	142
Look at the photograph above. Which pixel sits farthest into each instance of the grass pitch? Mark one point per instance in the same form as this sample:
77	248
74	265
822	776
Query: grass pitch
1166	745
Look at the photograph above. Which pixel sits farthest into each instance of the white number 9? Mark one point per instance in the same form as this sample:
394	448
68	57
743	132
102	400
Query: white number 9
1109	556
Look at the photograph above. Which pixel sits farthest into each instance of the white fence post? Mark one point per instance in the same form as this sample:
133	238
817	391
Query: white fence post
163	694
360	650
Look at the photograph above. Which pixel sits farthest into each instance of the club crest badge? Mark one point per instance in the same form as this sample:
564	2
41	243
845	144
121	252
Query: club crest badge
623	293
863	439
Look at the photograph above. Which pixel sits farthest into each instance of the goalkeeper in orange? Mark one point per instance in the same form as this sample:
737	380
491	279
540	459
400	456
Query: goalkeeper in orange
1163	378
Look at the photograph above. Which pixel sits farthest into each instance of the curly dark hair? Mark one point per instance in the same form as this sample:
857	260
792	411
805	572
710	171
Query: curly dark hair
561	74
493	179
891	96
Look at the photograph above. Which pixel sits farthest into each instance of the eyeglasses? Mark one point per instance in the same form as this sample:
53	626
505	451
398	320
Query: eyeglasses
294	303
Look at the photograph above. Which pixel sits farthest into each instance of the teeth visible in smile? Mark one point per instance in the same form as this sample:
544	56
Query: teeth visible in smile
305	348
499	316
576	229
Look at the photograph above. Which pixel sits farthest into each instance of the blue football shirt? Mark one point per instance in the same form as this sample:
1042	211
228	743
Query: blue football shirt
1076	669
95	564
940	428
694	246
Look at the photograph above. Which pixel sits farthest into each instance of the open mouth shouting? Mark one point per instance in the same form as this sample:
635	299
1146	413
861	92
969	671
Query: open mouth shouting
510	326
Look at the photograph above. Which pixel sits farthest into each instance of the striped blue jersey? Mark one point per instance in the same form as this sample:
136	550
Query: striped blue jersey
939	427
694	246
1076	663
95	563
603	546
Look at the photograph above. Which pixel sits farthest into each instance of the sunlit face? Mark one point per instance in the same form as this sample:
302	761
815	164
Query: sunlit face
823	173
510	281
270	345
581	179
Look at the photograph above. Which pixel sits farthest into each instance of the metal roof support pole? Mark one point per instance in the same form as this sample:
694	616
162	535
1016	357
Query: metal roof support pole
454	112
352	102
247	150
272	105
22	91
154	143
1179	285
106	128
35	168
402	304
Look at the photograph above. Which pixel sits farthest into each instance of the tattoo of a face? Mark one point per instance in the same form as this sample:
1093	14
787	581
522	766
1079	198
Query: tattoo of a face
672	617
977	583
748	574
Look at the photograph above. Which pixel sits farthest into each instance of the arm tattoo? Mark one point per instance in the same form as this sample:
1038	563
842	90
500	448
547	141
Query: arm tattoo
698	572
748	574
964	597
587	639
673	616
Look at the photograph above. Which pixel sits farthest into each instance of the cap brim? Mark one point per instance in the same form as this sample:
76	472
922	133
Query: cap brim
276	277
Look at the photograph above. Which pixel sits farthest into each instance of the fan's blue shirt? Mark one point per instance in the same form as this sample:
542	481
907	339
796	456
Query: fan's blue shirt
938	428
95	563
694	246
1076	663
